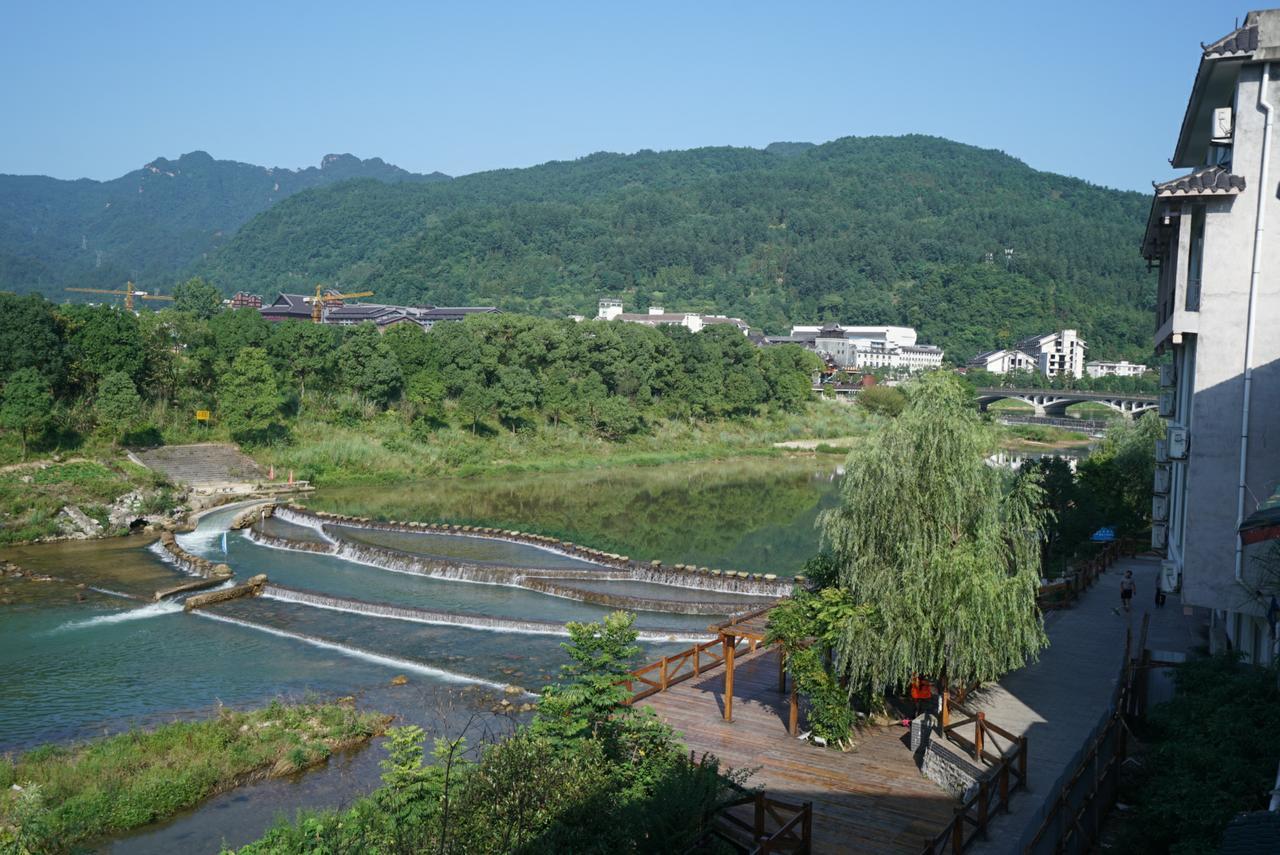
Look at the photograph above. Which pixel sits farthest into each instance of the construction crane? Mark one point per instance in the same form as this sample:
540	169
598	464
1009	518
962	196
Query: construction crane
129	293
321	301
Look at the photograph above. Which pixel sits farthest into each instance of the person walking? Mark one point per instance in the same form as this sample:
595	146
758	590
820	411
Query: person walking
1127	589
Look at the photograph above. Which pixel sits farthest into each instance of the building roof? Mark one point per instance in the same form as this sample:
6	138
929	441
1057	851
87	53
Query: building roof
1211	180
1252	833
1240	41
298	306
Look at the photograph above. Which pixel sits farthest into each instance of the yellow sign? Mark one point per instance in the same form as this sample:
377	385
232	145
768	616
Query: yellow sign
202	415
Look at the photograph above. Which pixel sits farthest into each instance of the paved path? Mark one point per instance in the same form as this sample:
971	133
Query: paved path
1061	700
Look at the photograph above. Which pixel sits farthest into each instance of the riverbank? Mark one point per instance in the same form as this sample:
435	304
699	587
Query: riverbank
55	797
386	451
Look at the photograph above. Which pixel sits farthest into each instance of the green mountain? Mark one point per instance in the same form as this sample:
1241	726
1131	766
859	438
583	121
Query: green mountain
912	230
150	224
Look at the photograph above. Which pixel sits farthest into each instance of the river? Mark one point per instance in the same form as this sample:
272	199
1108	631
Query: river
77	663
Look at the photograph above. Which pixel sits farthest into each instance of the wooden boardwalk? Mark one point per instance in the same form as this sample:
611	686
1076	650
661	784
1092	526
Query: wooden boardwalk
872	799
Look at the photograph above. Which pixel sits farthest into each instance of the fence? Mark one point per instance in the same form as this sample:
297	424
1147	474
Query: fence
1073	818
1061	594
793	834
1006	754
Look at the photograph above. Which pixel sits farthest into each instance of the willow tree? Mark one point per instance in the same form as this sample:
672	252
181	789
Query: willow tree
938	551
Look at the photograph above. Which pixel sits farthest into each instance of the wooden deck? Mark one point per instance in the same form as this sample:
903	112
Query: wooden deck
872	799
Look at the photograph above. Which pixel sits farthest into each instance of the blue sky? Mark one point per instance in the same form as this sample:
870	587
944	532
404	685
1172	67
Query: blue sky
1091	89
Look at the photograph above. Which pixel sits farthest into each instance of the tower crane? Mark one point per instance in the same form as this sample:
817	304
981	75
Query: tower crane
321	301
129	293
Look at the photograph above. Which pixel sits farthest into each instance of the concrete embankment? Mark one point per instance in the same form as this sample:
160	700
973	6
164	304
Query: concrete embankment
192	564
252	588
431	616
680	575
627	602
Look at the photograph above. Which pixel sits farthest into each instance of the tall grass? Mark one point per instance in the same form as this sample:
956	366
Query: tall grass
55	797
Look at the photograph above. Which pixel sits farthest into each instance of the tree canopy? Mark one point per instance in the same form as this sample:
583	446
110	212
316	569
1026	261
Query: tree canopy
937	552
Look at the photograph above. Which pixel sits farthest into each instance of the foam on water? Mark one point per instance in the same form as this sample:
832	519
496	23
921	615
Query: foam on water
164	607
357	653
111	593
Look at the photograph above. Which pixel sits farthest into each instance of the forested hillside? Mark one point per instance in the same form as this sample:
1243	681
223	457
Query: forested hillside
150	224
907	230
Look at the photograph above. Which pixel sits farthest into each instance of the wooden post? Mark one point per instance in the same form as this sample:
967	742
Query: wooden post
946	706
979	731
793	726
729	643
782	671
984	798
697	659
1004	784
806	828
957	831
1022	761
759	823
664	674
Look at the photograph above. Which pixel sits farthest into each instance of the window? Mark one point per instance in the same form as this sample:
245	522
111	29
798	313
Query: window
1195	259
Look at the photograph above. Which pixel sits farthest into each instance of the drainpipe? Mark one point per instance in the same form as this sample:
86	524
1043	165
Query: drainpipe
1255	274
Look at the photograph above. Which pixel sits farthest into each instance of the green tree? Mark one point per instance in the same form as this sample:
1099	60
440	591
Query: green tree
882	400
117	405
30	338
25	404
1116	477
476	402
197	298
938	552
102	340
590	700
249	397
303	351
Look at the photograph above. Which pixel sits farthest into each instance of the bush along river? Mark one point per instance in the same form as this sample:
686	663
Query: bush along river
473	620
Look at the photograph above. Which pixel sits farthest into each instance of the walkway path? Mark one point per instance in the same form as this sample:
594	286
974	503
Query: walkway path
872	799
1060	701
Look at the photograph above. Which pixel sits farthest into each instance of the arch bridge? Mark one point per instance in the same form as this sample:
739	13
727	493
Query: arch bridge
1054	402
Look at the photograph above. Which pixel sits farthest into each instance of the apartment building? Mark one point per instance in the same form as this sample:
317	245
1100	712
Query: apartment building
865	348
1217	312
1052	354
1123	368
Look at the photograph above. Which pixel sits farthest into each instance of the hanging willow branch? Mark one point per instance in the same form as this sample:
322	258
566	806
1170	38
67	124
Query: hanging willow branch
943	548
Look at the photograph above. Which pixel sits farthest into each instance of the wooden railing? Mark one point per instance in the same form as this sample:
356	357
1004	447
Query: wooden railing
1073	821
670	670
1006	755
793	832
1061	594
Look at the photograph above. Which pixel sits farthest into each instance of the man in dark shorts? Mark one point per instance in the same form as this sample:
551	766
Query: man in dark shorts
1127	587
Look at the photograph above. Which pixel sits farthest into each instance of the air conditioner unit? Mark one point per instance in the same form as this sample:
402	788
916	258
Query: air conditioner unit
1170	575
1159	536
1167	404
1160	508
1168	375
1164	477
1162	451
1179	439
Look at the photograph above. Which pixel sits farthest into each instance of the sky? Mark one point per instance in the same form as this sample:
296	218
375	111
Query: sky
1089	89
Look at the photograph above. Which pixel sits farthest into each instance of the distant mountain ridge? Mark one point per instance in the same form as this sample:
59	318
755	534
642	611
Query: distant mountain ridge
971	246
149	224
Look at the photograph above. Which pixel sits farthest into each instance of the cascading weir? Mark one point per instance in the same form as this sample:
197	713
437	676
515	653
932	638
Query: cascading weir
613	567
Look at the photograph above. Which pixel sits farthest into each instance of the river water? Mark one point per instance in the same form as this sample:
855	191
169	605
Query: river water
75	663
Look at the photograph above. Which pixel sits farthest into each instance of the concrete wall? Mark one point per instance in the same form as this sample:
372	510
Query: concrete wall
1214	416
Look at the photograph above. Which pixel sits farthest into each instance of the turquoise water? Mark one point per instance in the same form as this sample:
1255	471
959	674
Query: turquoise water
472	549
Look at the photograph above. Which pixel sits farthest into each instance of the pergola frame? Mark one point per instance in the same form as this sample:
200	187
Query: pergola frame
753	628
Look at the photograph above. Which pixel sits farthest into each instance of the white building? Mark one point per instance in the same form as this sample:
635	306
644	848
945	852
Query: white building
611	310
1115	369
865	348
1056	353
1051	354
1003	361
1217	312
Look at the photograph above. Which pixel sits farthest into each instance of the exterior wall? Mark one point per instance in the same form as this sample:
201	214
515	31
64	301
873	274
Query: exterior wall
1115	369
1210	389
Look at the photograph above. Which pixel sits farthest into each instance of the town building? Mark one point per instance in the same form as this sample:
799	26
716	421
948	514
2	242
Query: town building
1003	361
339	313
1122	368
1217	310
1053	354
879	348
245	300
611	310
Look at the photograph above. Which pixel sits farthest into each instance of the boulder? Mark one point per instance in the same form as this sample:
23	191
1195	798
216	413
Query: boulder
399	680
